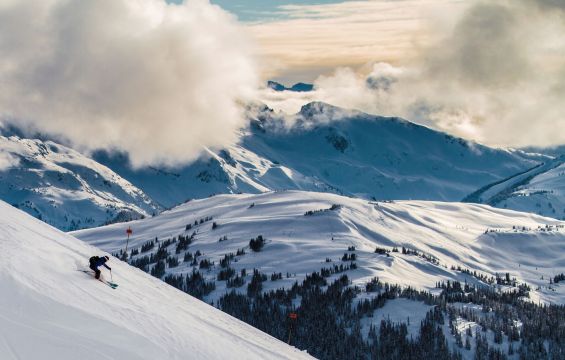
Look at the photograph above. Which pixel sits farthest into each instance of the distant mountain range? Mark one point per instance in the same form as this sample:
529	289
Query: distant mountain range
326	149
330	149
298	87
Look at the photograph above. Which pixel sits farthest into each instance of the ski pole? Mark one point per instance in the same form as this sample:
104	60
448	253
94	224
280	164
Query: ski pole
111	277
128	232
293	316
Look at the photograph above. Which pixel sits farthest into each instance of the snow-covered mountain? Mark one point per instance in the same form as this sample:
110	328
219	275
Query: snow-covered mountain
49	310
326	149
65	188
476	237
298	87
539	190
329	149
203	247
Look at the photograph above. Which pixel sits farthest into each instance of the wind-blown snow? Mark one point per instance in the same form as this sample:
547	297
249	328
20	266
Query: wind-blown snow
50	310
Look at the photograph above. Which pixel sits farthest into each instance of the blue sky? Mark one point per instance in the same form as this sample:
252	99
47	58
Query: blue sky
261	10
258	10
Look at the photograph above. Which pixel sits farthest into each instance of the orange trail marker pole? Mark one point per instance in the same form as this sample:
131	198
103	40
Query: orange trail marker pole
129	231
293	317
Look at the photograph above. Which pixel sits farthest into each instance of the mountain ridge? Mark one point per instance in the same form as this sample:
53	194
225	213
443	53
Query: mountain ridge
298	87
256	164
65	188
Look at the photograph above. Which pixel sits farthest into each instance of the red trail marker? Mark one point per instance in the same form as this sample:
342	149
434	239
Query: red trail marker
129	231
293	316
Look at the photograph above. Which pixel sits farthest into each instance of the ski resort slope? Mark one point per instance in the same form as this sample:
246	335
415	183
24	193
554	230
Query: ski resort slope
527	246
50	310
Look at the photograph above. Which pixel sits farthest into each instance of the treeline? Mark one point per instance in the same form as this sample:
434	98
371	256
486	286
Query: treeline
329	321
328	326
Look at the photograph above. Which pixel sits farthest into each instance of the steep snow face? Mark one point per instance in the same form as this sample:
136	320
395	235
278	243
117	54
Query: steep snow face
50	310
329	149
540	190
308	231
65	188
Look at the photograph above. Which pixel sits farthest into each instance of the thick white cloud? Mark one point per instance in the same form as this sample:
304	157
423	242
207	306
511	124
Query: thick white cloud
7	160
157	80
496	76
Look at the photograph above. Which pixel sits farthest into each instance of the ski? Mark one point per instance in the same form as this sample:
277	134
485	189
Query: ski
109	283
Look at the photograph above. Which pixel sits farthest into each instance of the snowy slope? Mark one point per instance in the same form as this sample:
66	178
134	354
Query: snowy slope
540	190
453	233
329	149
49	310
65	188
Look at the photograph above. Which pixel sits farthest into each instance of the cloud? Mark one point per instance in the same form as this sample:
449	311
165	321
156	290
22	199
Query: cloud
551	4
157	80
8	160
496	75
485	49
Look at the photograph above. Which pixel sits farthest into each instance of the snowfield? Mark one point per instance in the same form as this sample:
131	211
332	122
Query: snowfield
439	236
50	310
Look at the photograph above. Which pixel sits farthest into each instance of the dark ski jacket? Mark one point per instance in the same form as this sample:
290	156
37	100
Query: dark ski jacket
101	261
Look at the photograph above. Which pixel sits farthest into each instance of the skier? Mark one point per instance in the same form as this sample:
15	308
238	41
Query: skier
96	262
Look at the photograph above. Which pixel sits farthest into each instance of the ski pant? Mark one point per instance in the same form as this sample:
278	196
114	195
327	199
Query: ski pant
96	271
